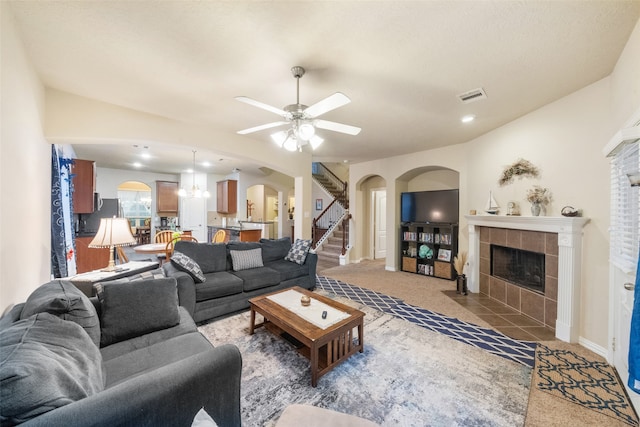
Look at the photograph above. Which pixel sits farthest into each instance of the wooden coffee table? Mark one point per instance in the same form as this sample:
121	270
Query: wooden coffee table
325	348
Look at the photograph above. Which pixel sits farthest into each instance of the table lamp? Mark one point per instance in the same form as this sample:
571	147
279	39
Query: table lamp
111	233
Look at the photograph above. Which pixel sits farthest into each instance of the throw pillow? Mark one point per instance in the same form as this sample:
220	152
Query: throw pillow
275	249
45	363
62	299
186	264
211	257
298	252
136	308
244	260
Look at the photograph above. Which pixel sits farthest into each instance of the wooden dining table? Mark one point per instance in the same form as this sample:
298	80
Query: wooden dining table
151	248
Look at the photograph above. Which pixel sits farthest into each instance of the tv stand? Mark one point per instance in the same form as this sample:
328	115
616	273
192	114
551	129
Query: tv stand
429	248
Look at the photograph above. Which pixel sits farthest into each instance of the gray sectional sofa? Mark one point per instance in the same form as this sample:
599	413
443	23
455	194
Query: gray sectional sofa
131	357
234	272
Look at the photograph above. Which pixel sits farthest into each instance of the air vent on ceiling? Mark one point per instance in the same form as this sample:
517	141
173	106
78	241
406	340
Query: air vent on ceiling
473	95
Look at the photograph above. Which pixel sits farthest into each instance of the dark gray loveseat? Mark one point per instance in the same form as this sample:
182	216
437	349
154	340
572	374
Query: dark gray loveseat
228	287
131	358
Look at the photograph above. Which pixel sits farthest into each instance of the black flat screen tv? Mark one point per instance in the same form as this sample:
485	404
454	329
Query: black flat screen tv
430	206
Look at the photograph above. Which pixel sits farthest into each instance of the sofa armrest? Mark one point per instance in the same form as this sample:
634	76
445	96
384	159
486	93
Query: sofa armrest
186	287
171	395
312	262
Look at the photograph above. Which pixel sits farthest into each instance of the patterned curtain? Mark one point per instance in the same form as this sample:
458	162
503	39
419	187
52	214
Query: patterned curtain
63	257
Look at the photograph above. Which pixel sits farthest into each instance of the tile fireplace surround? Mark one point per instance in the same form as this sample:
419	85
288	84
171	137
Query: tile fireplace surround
559	238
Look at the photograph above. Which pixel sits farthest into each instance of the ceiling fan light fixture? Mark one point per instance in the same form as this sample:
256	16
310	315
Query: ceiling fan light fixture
279	137
291	144
315	141
306	131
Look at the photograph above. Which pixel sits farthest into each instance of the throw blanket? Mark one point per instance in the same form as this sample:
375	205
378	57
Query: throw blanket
634	340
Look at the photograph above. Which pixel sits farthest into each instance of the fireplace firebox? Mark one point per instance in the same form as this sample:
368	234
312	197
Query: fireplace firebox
520	267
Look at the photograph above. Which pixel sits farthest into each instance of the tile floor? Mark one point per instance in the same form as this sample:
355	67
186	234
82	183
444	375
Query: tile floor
503	318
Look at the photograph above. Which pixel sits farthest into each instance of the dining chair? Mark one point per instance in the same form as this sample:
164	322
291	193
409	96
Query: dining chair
169	248
121	255
219	237
163	236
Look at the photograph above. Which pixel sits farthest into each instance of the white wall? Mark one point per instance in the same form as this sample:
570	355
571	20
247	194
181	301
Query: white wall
25	173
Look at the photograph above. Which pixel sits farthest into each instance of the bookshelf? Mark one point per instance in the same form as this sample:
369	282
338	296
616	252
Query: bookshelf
429	248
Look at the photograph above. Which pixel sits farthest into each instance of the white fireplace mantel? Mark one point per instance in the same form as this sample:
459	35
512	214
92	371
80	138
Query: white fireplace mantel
569	230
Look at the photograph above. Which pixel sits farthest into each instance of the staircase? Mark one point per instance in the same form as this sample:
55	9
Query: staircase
328	228
330	251
335	189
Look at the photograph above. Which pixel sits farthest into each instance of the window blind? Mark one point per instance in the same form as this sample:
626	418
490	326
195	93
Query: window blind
625	209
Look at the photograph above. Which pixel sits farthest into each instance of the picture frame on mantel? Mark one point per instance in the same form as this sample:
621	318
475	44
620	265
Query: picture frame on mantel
318	204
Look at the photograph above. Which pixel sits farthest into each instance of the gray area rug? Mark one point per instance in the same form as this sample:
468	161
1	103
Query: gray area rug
407	376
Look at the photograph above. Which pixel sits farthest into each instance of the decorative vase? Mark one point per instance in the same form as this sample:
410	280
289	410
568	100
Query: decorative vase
462	284
535	209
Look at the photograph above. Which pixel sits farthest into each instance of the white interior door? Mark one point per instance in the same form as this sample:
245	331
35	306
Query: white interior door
623	295
380	224
194	217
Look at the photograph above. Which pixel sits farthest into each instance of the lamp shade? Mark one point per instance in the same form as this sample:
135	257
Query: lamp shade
113	232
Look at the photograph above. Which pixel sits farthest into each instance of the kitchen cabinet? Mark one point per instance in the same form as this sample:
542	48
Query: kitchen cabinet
83	174
167	198
89	259
227	196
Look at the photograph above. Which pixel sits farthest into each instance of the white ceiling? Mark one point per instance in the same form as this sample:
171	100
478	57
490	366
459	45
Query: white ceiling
401	63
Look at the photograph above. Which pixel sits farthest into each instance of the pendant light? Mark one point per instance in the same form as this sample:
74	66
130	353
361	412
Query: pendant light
195	189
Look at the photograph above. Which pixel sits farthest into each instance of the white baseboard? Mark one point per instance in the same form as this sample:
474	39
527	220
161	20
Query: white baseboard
597	349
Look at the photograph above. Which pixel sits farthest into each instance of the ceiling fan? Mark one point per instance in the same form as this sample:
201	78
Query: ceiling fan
304	120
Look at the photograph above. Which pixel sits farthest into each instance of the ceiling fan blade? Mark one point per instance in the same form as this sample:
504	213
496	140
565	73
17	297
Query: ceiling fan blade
261	127
332	102
337	127
262	105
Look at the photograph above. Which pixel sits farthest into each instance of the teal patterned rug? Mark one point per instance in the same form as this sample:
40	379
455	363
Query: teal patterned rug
591	384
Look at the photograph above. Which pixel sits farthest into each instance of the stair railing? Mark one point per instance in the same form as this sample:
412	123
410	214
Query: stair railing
342	194
336	213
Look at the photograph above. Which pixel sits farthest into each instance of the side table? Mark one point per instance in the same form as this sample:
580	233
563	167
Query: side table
85	281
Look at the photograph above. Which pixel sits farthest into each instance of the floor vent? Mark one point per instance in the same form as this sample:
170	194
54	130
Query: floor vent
473	95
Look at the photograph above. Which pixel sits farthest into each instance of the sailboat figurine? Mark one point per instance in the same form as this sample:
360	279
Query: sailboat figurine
492	206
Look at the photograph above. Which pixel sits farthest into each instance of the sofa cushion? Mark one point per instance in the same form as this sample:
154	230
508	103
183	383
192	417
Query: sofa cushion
188	265
62	299
288	270
136	308
299	250
186	325
244	260
45	363
275	249
211	257
147	359
218	285
257	278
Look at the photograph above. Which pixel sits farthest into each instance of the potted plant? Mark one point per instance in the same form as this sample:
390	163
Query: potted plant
538	196
458	264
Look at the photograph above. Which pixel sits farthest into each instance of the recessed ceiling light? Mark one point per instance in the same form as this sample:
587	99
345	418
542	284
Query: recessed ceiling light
145	155
137	164
206	164
468	118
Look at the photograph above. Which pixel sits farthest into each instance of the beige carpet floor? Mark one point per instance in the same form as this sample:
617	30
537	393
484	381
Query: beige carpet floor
543	409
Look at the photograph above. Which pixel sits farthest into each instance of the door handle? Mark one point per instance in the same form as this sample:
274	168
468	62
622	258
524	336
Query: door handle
629	286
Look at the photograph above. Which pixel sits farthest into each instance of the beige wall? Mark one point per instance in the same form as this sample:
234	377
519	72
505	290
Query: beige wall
25	173
565	140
